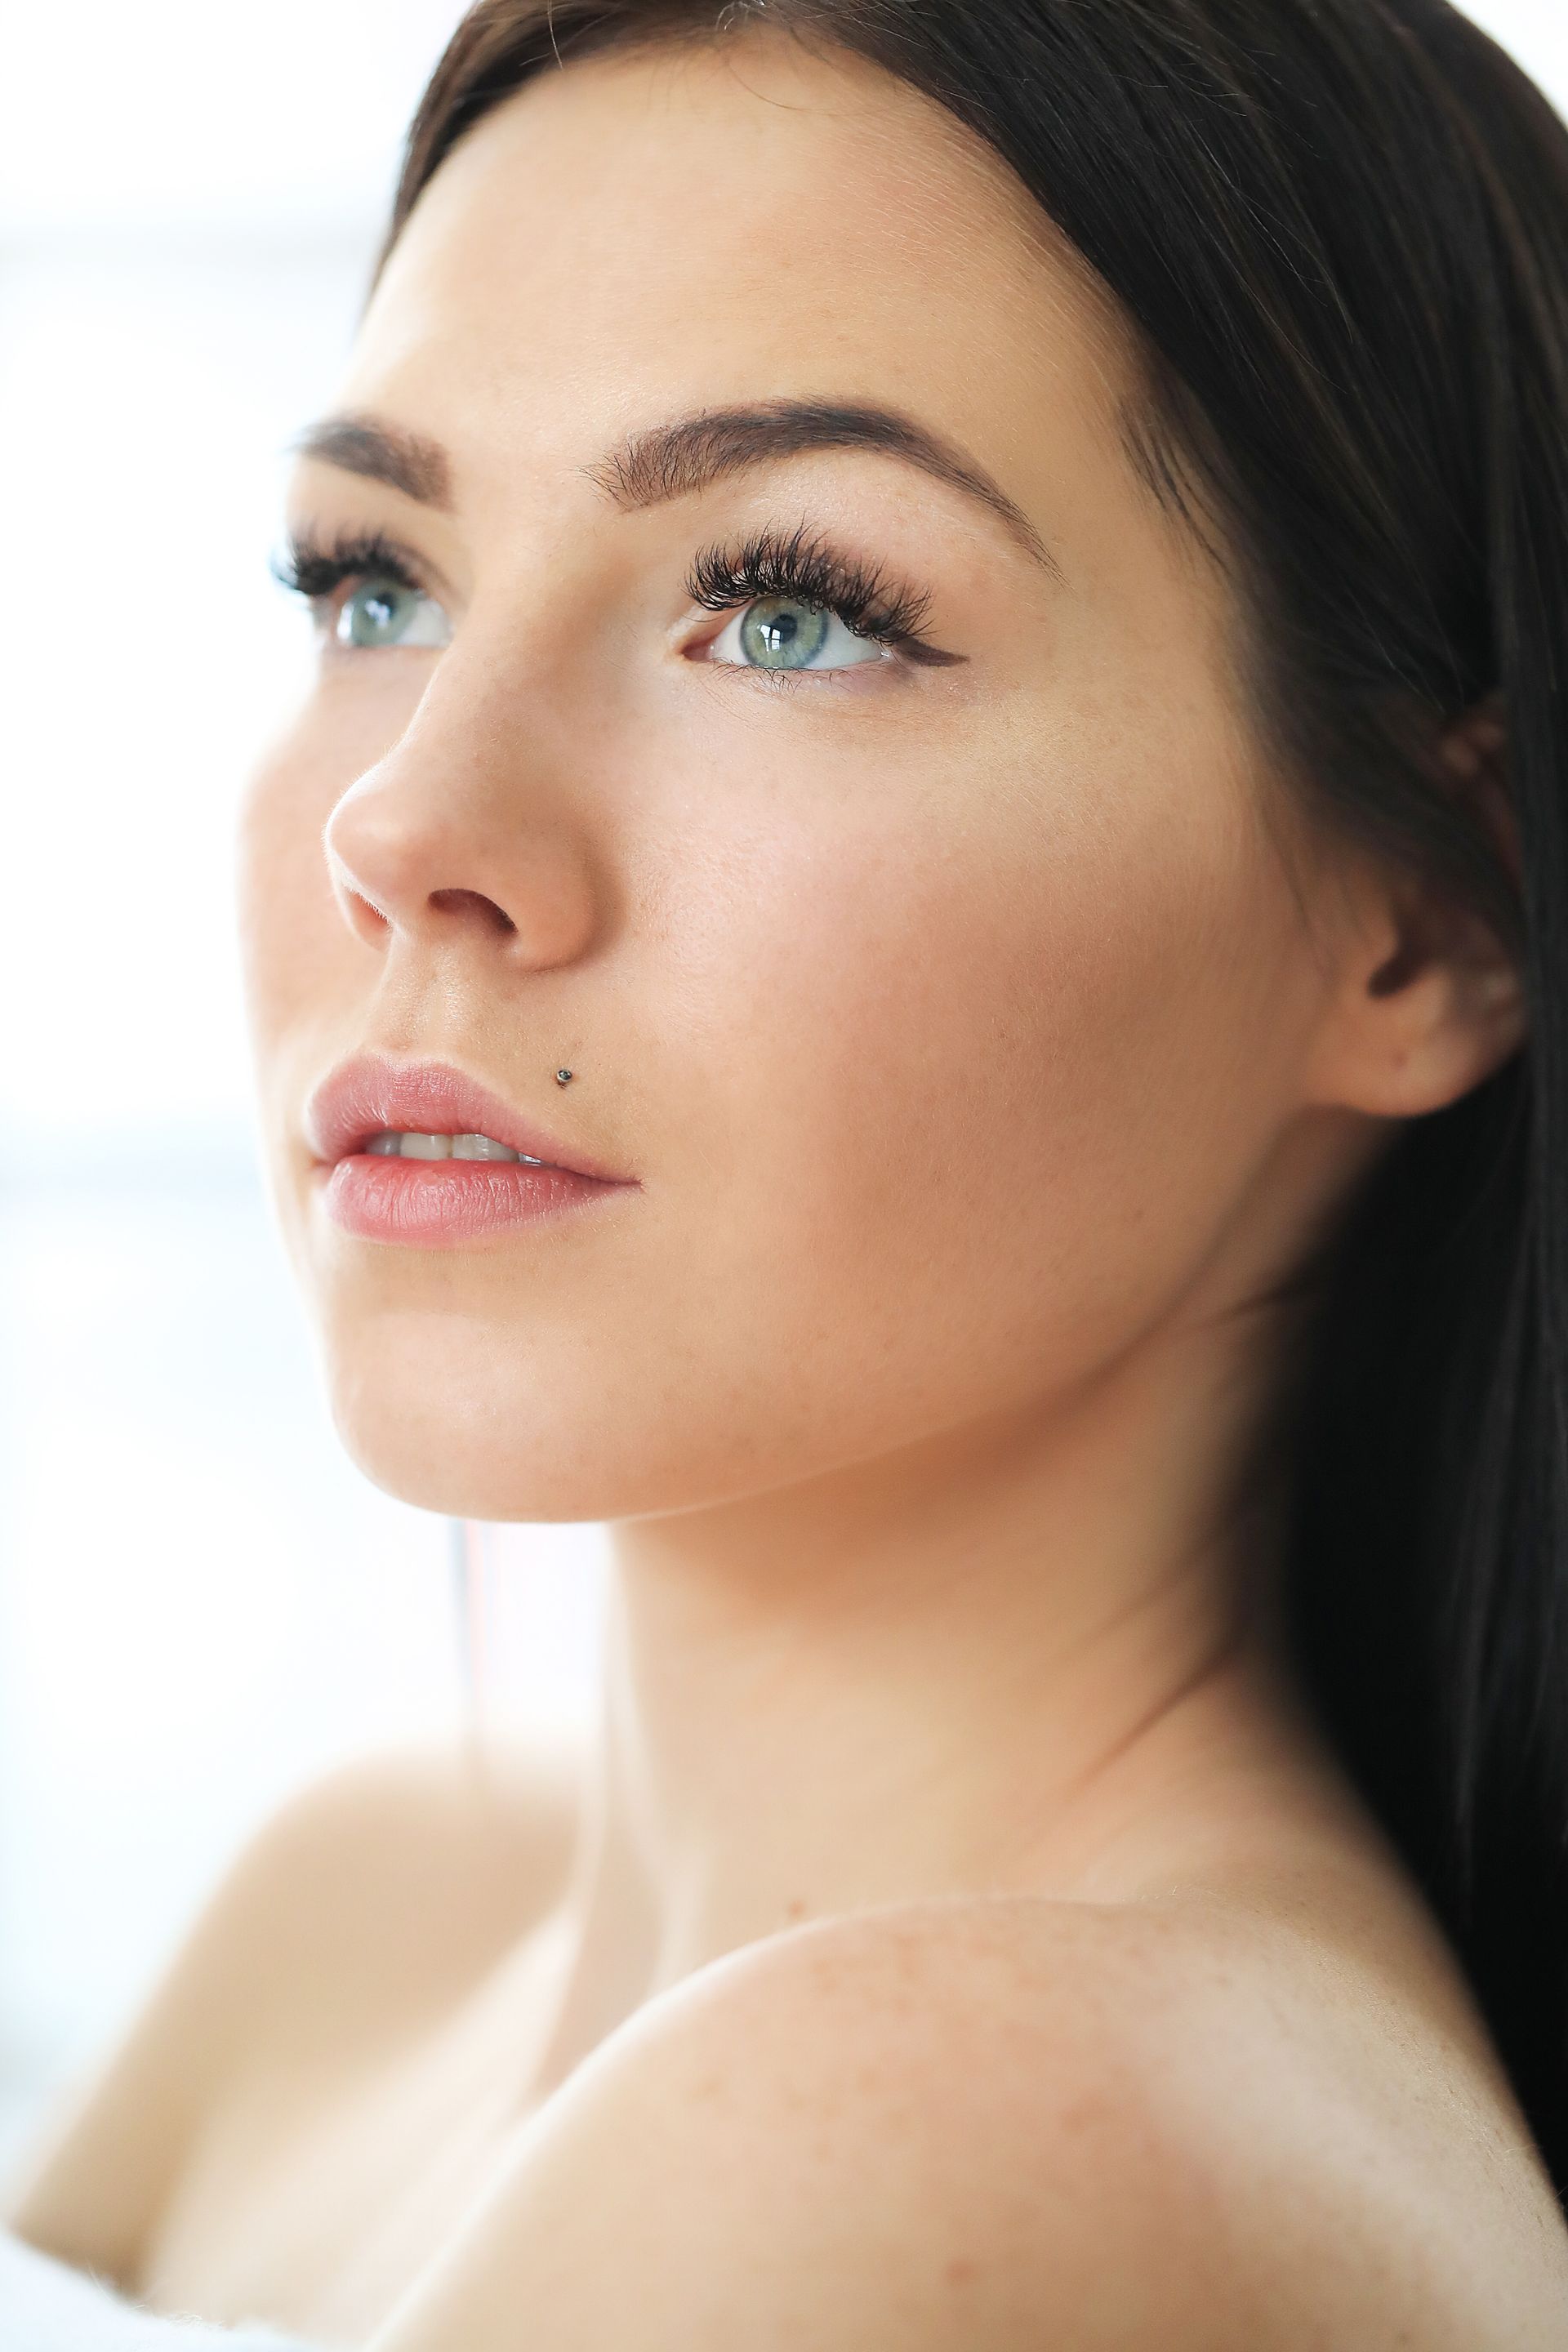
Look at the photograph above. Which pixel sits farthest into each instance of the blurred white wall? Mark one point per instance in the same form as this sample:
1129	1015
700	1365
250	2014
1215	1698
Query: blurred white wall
200	1601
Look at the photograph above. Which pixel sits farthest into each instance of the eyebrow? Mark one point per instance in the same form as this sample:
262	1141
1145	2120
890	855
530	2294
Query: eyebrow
677	460
385	453
671	461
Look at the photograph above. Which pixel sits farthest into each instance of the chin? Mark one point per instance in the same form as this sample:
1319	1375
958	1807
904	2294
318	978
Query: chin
474	1422
471	1448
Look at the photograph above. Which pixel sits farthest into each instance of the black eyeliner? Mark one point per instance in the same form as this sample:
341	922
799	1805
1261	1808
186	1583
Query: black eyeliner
800	563
804	564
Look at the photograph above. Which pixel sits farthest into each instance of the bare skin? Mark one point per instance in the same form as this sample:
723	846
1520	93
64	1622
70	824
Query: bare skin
957	1933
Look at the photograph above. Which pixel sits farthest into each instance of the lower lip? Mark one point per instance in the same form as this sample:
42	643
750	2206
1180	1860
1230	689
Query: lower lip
430	1203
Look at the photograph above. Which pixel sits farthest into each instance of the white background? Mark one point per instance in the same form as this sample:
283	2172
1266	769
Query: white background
201	1602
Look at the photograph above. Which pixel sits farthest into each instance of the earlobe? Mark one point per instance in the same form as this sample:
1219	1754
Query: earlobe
1442	1028
1489	994
1431	1000
1430	1004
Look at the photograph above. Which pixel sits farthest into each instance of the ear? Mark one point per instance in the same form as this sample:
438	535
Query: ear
1473	752
1425	1002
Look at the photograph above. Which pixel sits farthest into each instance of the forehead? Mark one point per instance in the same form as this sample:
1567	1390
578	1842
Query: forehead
653	230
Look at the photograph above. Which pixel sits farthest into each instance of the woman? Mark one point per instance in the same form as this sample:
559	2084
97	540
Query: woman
912	946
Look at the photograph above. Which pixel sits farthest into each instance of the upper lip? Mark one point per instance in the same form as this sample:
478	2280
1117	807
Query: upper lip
369	1096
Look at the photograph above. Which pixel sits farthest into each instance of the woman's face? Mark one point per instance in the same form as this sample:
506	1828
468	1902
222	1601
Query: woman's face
949	1013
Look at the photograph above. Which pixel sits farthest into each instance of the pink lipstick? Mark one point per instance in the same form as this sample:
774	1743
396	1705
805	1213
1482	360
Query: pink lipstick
419	1153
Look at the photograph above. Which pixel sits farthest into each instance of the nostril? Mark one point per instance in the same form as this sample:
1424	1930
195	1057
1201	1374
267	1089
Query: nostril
362	913
472	902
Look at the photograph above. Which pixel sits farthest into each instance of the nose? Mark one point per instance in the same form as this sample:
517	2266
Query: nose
454	839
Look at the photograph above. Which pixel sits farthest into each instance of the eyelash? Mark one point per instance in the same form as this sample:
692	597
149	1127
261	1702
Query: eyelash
721	579
809	568
313	568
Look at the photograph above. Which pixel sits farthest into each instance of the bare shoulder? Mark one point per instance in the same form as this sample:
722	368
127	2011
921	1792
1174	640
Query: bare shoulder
951	2123
431	1855
373	1891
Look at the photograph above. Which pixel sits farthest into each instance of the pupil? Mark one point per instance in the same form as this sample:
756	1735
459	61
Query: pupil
373	613
771	630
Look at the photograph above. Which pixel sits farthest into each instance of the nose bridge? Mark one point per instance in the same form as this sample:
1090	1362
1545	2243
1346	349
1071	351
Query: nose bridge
458	824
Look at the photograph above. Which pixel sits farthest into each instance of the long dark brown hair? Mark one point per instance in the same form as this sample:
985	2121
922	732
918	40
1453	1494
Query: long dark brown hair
1340	231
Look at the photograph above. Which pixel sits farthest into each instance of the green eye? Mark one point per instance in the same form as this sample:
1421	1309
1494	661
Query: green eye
788	632
776	638
382	612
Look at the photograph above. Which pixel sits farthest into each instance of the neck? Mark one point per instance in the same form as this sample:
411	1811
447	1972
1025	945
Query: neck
971	1665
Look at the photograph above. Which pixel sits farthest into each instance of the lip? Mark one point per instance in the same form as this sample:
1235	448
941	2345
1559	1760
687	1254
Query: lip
369	1095
437	1203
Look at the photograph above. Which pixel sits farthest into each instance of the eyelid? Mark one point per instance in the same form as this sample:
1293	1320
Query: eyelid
868	597
807	562
357	553
882	657
880	608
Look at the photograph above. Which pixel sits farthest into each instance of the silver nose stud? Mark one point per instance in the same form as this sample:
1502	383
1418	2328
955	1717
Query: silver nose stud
562	1077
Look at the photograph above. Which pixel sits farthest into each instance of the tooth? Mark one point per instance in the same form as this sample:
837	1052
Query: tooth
386	1146
481	1146
427	1146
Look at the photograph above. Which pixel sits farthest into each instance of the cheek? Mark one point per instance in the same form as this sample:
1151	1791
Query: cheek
1003	1082
286	914
299	954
